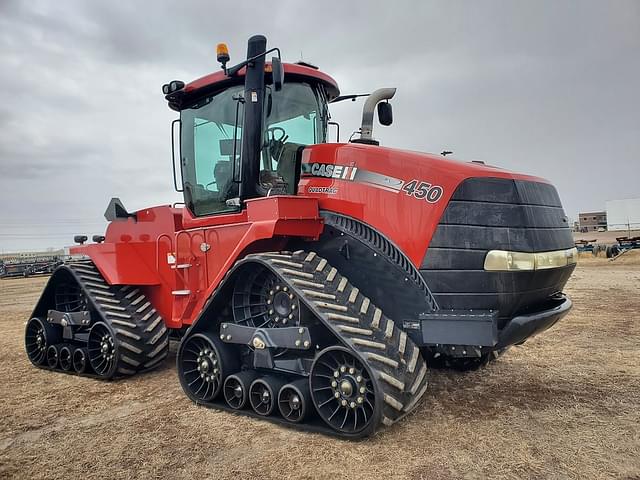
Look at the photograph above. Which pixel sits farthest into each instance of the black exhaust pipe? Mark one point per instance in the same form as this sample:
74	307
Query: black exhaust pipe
252	128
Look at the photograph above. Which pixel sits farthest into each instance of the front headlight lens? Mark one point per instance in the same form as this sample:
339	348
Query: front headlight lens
497	260
572	256
503	260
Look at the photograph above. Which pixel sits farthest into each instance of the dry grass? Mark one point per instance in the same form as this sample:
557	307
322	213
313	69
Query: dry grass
566	405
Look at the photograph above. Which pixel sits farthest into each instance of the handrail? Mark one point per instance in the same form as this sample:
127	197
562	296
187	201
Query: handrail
158	248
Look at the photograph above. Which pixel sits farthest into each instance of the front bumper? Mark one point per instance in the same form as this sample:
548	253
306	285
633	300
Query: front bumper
480	328
521	327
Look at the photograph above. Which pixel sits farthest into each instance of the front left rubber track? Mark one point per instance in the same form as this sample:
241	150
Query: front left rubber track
395	362
141	338
393	358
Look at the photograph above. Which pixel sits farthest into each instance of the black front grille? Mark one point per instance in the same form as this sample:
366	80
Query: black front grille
496	214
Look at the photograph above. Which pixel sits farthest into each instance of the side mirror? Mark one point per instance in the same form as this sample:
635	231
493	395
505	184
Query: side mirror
277	72
385	114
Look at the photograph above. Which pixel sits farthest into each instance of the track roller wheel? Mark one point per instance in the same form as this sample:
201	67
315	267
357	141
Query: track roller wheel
65	358
79	360
344	392
263	395
39	334
293	400
53	353
236	389
103	350
204	361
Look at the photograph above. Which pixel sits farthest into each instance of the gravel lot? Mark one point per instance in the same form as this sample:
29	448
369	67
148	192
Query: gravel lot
566	405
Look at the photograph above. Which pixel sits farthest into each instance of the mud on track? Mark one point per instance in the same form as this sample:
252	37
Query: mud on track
566	405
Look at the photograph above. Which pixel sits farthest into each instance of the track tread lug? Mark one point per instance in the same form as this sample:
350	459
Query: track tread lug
153	324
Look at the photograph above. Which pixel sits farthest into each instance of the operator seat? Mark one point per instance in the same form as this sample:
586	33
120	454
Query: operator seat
289	165
222	176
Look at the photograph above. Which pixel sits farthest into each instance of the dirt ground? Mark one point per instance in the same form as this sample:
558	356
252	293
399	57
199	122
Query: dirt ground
565	405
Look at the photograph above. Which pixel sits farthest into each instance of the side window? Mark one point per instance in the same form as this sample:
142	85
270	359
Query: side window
213	153
213	145
208	153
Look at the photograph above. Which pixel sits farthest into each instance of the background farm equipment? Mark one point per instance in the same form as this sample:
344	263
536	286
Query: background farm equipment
25	266
590	246
624	244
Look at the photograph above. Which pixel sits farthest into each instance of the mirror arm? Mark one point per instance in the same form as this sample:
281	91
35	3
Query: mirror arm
230	72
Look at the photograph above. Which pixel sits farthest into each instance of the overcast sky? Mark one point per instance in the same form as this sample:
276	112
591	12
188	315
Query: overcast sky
547	88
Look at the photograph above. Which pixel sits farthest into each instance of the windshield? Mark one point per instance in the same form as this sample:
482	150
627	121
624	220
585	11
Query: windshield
294	117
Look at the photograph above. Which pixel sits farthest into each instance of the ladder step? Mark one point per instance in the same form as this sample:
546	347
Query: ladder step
181	266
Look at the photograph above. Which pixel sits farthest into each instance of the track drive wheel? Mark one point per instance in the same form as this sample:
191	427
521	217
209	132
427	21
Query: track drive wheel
344	392
39	335
204	362
103	350
262	300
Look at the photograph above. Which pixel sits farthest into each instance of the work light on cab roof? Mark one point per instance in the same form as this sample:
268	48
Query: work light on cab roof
222	53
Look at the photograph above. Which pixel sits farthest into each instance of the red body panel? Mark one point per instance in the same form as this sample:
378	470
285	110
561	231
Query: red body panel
149	252
404	219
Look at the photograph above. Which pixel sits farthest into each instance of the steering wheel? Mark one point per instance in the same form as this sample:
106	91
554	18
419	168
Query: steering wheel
272	133
276	137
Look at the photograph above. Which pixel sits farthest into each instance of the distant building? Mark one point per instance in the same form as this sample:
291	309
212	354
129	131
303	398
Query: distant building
623	214
592	221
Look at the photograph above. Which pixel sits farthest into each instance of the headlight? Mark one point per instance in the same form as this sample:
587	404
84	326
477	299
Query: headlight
503	260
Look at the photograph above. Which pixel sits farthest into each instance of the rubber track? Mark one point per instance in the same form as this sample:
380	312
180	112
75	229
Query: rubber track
142	337
393	358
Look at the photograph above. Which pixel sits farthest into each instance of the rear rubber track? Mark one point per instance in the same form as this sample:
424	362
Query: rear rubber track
141	336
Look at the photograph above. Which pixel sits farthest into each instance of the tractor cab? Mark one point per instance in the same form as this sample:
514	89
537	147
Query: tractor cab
242	130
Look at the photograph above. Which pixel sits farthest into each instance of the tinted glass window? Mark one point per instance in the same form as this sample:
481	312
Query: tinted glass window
294	117
208	132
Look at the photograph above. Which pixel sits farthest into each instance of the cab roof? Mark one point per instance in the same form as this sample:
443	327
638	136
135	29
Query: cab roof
218	80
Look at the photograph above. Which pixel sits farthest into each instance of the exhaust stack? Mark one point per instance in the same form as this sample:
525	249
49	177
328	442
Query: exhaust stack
366	129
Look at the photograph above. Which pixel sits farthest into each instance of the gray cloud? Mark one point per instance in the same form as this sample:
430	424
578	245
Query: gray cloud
548	88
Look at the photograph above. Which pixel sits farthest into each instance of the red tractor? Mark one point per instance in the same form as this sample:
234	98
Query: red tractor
277	270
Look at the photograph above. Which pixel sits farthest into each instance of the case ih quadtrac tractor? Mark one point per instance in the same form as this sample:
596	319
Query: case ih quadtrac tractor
310	282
